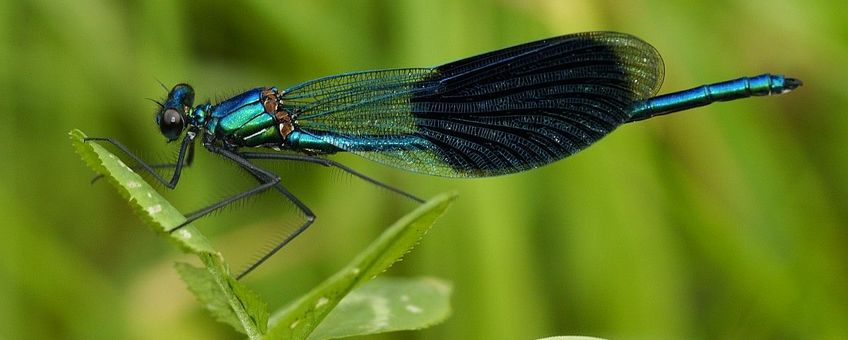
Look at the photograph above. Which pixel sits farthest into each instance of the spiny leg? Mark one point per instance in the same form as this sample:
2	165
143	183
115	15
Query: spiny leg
310	218
267	180
327	162
175	178
189	159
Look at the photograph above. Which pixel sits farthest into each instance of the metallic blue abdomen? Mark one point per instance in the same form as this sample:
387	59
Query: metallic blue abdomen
330	143
762	85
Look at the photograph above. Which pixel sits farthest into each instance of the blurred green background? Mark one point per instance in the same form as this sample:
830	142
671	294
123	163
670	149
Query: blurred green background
723	222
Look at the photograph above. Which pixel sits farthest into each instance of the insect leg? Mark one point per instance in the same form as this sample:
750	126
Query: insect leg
328	162
267	180
310	218
186	149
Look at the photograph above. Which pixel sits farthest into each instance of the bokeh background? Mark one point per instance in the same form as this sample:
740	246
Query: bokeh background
722	222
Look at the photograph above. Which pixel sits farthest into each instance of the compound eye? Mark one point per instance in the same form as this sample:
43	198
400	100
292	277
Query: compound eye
171	124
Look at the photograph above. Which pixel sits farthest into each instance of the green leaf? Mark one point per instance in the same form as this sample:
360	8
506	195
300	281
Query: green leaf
232	303
298	320
146	201
225	297
572	337
386	305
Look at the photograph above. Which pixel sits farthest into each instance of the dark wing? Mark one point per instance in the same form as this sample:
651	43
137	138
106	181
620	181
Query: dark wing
496	113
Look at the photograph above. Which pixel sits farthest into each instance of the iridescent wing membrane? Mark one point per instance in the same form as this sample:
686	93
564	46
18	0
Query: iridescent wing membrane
492	114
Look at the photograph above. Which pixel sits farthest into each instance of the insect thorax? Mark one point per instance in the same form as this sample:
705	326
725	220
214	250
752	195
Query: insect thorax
253	118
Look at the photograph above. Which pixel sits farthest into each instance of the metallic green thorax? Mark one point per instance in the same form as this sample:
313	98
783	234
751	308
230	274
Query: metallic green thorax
253	118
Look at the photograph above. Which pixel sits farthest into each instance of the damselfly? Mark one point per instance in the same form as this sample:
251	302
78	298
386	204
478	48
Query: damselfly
497	113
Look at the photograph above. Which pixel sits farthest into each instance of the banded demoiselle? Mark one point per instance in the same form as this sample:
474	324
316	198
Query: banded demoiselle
492	114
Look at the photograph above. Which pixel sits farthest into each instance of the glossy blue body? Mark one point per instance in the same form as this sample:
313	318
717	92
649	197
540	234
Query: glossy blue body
500	112
762	85
323	143
496	113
